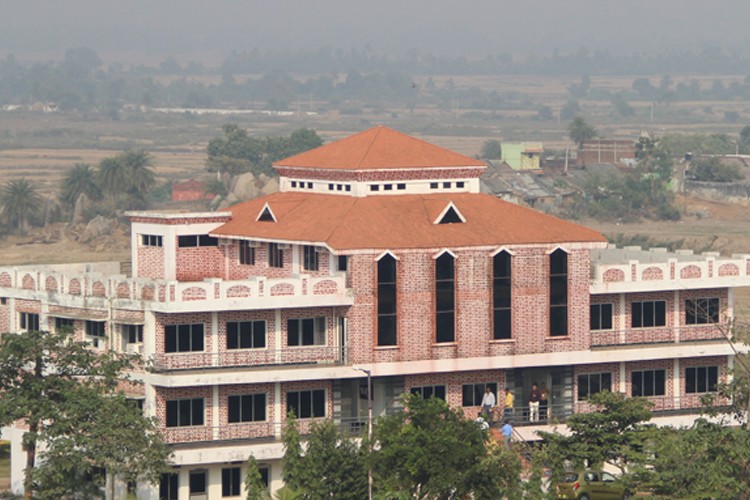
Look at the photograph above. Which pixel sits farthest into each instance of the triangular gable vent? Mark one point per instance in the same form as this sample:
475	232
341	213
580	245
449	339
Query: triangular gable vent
266	215
450	216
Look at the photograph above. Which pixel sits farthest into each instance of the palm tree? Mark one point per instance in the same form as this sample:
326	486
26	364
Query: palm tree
80	180
19	201
113	178
141	177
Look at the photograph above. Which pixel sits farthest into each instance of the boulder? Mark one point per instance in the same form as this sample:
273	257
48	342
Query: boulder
98	226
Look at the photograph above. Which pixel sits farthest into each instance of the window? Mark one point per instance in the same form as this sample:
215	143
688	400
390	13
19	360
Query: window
307	331
184	412
387	308
701	379
64	324
230	481
307	404
701	311
197	240
374	187
169	486
451	217
275	255
330	187
309	258
267	216
247	253
460	184
591	383
501	296
434	185
558	293
342	263
183	338
132	333
400	187
246	334
648	383
472	394
294	184
445	303
430	391
247	408
95	328
348	187
151	240
388	187
29	322
197	482
446	185
601	316
647	314
309	185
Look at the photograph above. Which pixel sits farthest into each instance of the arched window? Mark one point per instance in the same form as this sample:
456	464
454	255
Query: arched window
558	293
387	305
445	299
501	296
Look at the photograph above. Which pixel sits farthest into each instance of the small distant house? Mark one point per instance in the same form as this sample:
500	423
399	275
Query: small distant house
522	155
615	151
191	190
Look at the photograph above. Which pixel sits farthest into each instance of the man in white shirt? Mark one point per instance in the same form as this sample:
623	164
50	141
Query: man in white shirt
488	402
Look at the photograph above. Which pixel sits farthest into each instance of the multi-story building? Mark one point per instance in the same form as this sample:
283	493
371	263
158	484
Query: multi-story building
380	254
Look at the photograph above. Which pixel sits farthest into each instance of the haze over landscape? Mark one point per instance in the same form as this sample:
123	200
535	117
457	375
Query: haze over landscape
195	28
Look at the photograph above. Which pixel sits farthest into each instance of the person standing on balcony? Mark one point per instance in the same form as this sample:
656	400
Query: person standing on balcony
544	402
534	397
488	402
508	404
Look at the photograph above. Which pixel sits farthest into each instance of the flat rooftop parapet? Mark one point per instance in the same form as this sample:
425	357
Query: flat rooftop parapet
632	269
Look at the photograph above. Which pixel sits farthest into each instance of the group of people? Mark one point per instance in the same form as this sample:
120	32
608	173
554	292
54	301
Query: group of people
538	409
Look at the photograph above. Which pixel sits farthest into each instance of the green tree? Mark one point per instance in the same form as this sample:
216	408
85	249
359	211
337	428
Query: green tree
19	202
615	433
127	177
744	139
79	180
254	486
332	466
67	396
431	451
491	150
579	131
712	169
706	460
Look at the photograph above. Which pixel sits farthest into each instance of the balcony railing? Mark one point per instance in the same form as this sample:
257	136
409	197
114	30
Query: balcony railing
250	358
642	336
255	431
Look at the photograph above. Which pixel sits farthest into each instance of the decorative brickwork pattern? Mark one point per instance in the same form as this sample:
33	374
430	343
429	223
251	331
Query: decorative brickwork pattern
690	272
652	273
150	262
729	270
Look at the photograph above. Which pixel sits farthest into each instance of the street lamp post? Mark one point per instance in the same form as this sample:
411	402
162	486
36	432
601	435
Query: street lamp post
369	428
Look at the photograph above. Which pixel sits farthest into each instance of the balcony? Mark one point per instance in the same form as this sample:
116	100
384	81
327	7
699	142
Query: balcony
253	431
250	358
646	336
631	269
100	287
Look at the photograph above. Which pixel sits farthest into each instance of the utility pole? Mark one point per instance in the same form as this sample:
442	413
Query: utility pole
369	428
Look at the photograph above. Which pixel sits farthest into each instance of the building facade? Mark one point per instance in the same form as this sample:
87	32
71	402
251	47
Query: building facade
378	253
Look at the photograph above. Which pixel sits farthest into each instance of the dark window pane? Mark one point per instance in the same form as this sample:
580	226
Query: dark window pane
197	416
502	326
583	387
659	382
292	403
637	384
197	482
558	262
305	403
234	409
444	267
606	317
467	395
172	413
713	378
187	241
319	404
636	316
445	326
701	378
170	338
558	321
660	313
387	330
197	333
259	407
606	384
439	392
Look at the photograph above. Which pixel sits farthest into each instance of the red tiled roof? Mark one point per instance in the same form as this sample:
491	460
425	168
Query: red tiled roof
399	221
379	148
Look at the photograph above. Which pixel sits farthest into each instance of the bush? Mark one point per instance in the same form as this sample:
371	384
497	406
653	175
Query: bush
714	170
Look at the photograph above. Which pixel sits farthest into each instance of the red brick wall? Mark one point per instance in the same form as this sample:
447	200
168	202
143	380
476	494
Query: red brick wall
5	317
150	262
415	289
453	383
380	175
197	263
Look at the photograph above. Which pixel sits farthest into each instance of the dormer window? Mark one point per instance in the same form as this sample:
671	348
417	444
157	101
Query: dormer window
450	215
266	215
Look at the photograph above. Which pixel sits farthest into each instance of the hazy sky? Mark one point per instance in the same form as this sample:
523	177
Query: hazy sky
459	27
